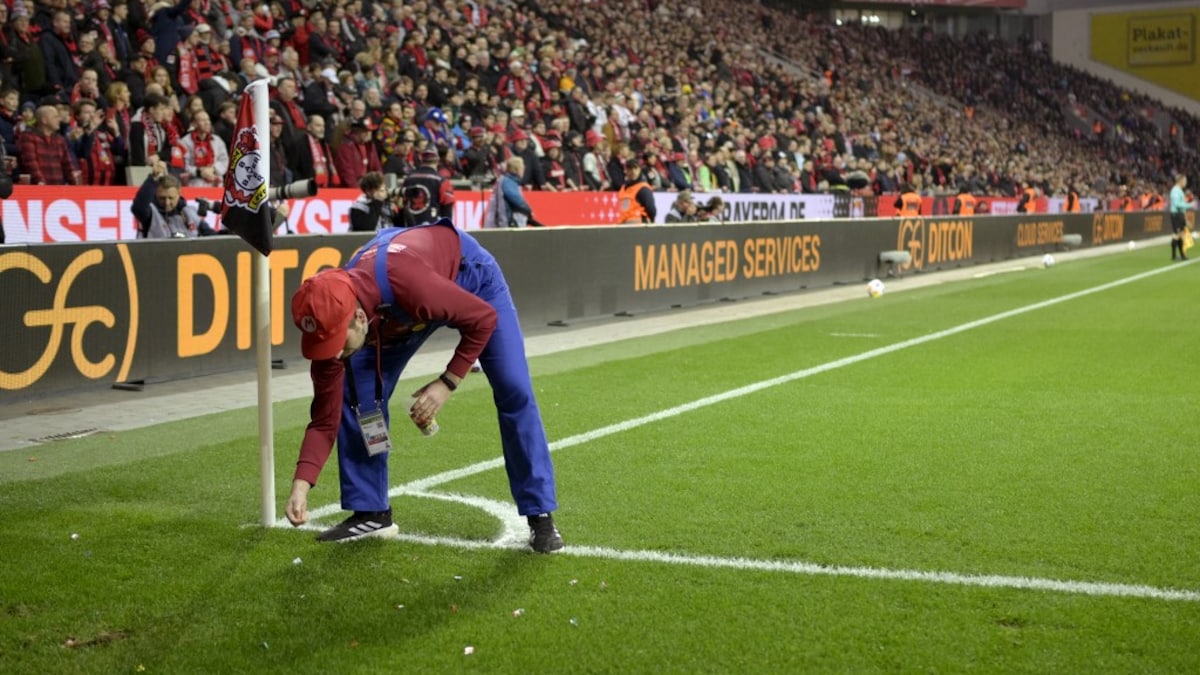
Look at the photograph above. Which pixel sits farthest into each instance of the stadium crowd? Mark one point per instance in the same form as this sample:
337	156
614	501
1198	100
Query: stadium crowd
706	96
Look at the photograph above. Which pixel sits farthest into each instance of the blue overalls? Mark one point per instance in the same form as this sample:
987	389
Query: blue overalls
526	453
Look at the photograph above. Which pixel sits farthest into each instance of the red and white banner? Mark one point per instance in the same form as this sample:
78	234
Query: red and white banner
43	214
740	207
993	4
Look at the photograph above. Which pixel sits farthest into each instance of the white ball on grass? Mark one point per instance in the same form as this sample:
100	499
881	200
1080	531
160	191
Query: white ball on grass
875	288
1047	260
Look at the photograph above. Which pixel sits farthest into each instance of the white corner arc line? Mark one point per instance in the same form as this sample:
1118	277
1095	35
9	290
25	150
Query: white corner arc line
510	537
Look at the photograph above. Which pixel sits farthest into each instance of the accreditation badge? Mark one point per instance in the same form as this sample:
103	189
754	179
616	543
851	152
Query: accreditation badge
374	431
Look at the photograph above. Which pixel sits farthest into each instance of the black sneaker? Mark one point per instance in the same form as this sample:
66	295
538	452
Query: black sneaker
361	525
543	535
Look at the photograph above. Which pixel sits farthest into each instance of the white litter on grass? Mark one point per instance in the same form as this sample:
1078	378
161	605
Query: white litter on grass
296	561
74	536
468	650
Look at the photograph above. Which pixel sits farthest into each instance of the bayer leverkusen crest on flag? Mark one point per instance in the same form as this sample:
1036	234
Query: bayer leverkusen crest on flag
245	210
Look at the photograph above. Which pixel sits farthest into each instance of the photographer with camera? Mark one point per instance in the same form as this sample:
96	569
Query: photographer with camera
427	194
376	208
159	210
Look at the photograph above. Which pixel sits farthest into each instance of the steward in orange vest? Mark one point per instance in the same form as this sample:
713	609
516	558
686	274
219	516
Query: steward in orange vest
1072	203
964	204
635	200
1028	203
908	204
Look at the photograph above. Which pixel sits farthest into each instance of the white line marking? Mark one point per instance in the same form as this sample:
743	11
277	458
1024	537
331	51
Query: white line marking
855	335
515	529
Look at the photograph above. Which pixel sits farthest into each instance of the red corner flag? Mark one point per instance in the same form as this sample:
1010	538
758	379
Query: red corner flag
244	209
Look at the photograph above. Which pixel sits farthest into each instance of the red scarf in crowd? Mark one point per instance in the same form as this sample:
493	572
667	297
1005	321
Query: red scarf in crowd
203	150
101	166
323	170
297	115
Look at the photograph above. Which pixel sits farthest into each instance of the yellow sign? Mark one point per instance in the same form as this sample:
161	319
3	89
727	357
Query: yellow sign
1159	47
1161	40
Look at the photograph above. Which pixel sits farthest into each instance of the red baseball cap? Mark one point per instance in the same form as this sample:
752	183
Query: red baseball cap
322	308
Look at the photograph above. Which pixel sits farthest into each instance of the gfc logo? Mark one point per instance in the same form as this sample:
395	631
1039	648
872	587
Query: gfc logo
62	319
912	239
932	242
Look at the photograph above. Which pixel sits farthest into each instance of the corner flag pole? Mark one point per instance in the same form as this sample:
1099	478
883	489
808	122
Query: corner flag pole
262	323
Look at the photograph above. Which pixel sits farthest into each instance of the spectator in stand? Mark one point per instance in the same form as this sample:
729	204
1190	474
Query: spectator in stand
428	196
134	79
58	47
403	159
288	108
28	62
595	163
95	144
391	128
112	23
205	156
168	24
507	206
739	170
10	103
763	176
479	160
356	155
810	183
573	161
160	77
312	157
149	134
44	154
226	122
435	129
198	60
88	86
87	56
281	173
520	147
246	42
635	200
552	167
